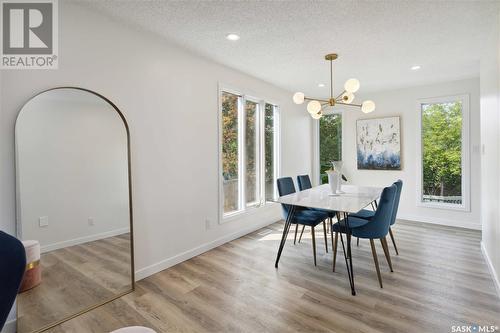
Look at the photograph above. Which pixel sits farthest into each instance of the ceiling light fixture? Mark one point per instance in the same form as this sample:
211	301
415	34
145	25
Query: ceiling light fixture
415	67
321	85
232	37
317	106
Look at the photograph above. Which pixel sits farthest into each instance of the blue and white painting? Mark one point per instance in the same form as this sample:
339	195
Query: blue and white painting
378	144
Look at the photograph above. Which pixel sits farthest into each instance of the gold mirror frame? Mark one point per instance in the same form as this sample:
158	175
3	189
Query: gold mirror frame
132	275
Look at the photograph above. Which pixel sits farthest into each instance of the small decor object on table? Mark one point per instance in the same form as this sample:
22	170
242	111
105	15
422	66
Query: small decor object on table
337	166
33	273
335	177
378	144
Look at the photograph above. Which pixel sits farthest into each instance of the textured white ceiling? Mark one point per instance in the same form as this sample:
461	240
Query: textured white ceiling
284	42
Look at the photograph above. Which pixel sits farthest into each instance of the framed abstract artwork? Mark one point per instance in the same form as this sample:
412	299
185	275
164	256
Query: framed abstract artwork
378	144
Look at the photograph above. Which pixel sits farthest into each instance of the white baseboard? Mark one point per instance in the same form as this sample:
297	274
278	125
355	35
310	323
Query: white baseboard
493	272
81	240
9	327
451	223
172	261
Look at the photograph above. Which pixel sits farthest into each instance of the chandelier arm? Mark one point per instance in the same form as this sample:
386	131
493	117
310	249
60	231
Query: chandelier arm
358	105
340	95
315	99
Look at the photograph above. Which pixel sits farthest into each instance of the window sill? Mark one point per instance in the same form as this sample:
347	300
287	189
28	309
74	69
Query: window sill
462	207
249	211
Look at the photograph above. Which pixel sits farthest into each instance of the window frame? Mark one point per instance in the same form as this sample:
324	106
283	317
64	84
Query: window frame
261	201
465	160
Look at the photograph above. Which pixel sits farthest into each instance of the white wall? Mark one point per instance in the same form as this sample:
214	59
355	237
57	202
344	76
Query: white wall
72	166
4	161
490	164
169	98
403	103
7	211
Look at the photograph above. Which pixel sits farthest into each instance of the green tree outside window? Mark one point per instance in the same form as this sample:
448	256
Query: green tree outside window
442	150
330	143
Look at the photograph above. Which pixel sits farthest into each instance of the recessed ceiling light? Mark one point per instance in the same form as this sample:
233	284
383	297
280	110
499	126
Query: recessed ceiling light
415	67
321	85
233	37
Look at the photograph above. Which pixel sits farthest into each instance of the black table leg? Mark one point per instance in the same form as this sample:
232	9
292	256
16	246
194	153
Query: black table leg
288	222
353	290
347	254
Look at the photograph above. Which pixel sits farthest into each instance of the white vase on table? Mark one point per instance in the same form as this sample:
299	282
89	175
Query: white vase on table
333	181
337	167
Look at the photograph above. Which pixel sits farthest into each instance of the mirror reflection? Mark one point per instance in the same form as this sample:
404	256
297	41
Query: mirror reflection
73	205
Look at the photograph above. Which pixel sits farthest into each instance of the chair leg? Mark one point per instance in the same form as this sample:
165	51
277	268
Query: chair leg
295	237
335	249
326	240
348	236
393	241
330	230
314	244
383	241
357	242
374	252
300	238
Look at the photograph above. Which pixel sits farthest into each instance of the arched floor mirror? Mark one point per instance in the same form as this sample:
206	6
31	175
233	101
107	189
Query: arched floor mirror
74	206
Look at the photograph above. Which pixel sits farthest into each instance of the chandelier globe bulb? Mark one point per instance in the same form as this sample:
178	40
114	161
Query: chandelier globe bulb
352	85
298	98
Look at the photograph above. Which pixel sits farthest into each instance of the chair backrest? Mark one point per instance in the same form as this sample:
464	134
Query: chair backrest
12	265
285	187
379	224
304	182
399	187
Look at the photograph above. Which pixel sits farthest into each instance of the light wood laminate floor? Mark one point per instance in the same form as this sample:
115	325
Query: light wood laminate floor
440	279
75	278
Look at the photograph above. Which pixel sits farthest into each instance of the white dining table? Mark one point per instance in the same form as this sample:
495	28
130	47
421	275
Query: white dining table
351	199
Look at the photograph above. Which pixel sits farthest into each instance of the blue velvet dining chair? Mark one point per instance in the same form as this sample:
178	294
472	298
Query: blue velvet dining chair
302	215
12	265
367	214
304	183
376	227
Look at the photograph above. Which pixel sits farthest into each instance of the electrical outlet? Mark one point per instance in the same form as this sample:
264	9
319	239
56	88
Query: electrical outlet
43	221
208	224
91	221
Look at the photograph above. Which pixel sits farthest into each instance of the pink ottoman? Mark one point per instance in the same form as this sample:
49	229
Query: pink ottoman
134	329
33	273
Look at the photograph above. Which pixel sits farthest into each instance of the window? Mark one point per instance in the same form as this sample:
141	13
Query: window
249	152
270	151
444	152
330	143
230	171
251	157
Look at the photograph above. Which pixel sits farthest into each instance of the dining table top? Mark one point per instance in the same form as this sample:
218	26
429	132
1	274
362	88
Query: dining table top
351	199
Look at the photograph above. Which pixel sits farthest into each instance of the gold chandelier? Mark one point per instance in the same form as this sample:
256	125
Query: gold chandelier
317	106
